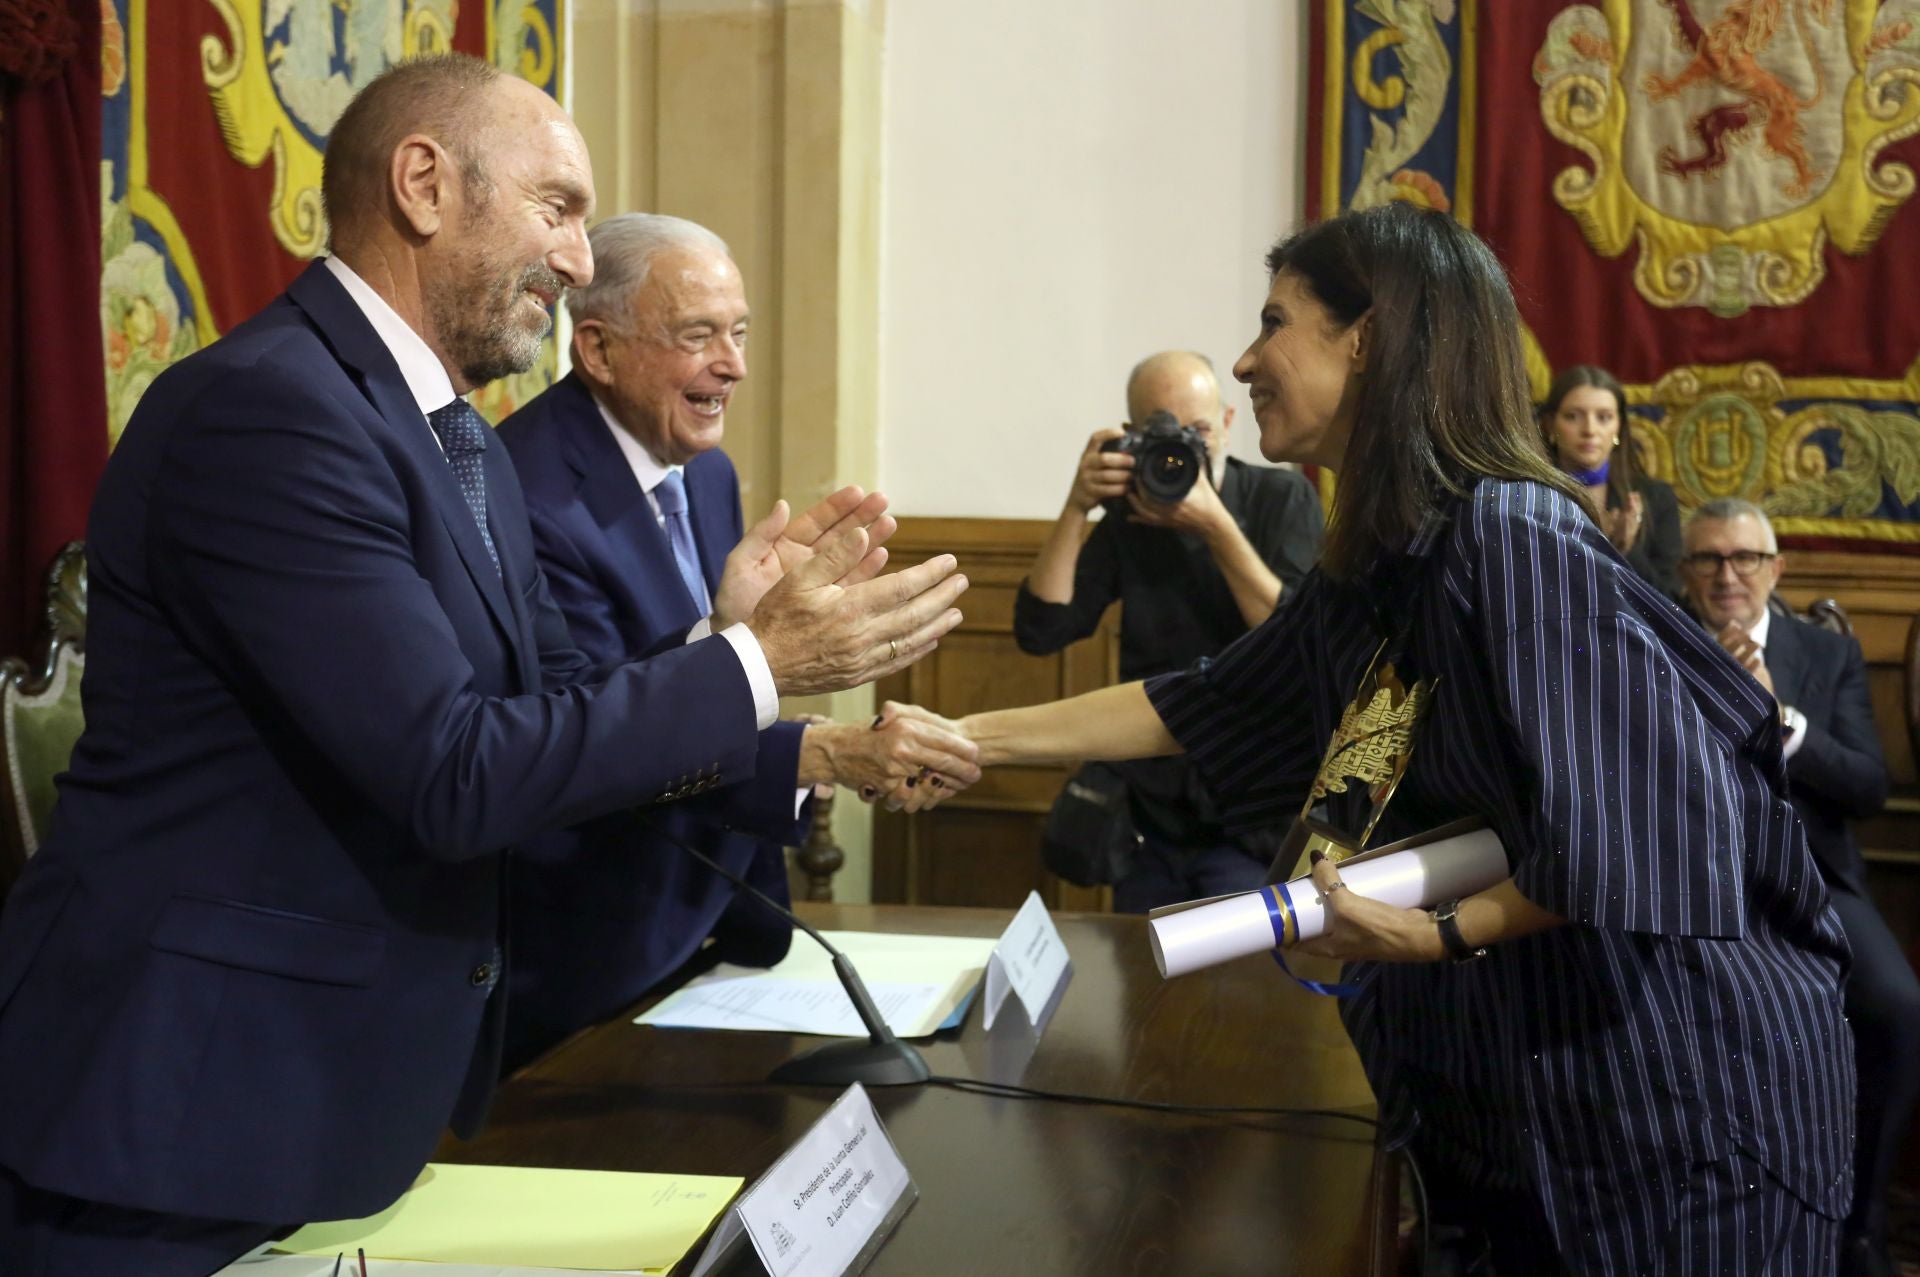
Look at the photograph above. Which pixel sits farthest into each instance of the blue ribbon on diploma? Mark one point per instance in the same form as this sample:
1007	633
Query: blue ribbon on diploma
1280	914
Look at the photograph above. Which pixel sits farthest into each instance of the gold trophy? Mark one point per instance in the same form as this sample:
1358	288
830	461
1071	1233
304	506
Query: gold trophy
1372	746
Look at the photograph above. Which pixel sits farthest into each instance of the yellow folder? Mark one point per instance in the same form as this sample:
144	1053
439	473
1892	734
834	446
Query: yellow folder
527	1217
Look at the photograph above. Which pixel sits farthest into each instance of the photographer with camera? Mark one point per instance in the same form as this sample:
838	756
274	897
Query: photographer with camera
1198	547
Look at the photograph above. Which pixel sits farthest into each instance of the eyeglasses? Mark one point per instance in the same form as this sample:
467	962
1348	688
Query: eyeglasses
1707	563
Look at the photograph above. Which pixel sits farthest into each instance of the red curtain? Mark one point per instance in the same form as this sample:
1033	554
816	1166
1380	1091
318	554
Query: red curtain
53	410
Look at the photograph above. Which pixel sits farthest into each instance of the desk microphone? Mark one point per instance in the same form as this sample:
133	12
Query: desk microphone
882	1060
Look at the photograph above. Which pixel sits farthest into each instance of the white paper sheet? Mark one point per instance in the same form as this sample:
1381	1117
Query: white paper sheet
916	981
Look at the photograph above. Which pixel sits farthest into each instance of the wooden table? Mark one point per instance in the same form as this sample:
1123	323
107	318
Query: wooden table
1011	1187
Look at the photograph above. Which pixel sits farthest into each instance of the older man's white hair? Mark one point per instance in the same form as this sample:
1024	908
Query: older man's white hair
624	247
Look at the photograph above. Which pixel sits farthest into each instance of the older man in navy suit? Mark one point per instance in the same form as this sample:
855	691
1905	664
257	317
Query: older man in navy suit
1731	567
254	970
635	511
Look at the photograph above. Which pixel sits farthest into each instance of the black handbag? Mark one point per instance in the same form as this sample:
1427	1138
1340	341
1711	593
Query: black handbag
1089	838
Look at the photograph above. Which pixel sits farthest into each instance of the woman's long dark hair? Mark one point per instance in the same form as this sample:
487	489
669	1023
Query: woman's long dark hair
1443	398
1620	460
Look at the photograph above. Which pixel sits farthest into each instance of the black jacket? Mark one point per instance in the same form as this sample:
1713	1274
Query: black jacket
1838	773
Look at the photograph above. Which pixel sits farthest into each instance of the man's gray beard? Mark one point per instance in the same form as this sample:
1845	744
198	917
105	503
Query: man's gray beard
494	348
501	349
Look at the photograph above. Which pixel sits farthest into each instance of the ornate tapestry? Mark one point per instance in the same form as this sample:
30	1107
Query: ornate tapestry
1710	198
216	117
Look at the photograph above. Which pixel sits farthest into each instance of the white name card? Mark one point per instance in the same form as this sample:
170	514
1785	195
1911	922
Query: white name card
1030	961
826	1206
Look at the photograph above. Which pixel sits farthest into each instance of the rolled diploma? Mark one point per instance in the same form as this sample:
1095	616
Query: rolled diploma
1412	879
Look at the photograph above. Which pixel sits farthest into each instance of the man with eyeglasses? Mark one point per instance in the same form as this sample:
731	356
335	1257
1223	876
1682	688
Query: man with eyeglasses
1731	566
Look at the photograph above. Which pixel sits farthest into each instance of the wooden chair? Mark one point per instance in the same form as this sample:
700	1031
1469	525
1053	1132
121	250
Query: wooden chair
1829	615
40	715
815	862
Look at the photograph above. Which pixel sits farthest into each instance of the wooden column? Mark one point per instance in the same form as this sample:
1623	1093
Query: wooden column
761	120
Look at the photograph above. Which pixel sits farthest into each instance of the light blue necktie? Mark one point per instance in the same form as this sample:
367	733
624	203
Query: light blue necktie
463	436
672	496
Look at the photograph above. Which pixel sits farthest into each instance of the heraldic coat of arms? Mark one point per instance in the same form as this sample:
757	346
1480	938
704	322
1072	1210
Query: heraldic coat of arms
1732	140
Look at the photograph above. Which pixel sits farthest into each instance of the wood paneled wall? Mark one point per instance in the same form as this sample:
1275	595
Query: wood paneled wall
1881	594
982	847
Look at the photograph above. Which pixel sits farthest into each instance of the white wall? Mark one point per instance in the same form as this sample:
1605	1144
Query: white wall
1069	185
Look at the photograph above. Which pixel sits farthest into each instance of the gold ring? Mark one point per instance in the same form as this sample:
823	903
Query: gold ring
893	649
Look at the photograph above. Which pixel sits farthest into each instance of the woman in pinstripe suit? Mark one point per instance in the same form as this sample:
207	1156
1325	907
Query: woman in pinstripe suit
1647	1071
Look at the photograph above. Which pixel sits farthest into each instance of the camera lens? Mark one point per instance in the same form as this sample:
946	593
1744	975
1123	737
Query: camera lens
1167	470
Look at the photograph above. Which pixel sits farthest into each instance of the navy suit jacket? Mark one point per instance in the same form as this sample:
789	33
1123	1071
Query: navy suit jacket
1838	774
604	912
250	973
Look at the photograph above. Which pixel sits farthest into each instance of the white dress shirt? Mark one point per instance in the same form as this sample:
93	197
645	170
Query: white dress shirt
1792	719
432	389
425	376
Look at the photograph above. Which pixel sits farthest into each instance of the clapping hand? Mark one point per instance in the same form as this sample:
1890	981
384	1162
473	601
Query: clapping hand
1622	526
1752	657
829	625
777	544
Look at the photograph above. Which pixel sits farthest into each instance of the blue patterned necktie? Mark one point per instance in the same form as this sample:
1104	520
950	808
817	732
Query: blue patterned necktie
672	496
463	435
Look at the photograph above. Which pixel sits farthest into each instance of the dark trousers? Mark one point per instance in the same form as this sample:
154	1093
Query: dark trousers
1883	1006
51	1235
1165	874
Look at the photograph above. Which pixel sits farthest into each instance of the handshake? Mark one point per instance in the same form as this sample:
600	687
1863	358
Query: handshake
810	590
907	757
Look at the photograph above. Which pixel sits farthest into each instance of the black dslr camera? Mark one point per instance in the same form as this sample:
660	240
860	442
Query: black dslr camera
1168	458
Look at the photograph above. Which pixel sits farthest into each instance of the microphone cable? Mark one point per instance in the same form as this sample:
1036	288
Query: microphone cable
1010	1091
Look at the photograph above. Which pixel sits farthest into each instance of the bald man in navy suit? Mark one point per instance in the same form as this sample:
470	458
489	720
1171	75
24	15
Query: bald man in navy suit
637	523
256	967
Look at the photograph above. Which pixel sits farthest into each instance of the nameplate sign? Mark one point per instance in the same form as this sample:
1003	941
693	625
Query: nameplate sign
828	1205
1030	962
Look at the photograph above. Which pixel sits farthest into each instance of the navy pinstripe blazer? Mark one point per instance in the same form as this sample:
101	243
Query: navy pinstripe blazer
1633	771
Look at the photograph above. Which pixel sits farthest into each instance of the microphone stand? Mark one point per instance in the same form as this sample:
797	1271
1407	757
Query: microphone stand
882	1060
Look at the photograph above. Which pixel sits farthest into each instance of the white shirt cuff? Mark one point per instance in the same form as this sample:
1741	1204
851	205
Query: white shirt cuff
1798	736
766	700
800	797
701	630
